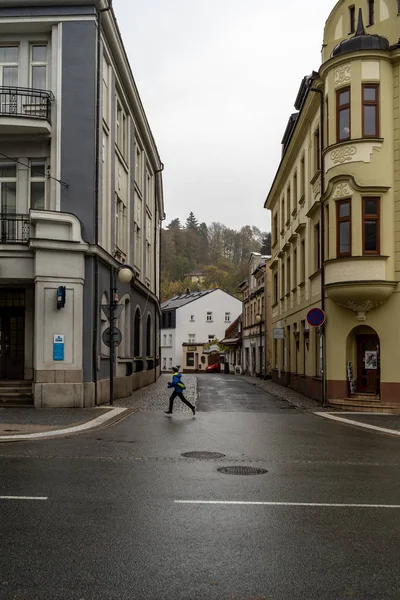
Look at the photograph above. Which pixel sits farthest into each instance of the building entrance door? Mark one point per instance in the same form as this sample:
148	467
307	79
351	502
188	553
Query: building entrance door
367	364
12	334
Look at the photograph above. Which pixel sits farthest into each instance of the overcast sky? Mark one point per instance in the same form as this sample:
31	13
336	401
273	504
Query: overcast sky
218	80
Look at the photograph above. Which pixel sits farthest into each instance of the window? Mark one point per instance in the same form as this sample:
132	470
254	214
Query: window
138	166
295	191
352	18
164	363
121	225
343	218
371	225
227	317
148	337
192	338
138	246
288	276
9	60
275	229
343	115
192	318
124	325
8	189
121	137
288	205
37	184
327	121
170	339
302	261
302	177
282	212
39	67
137	334
398	7
317	157
371	12
190	359
295	268
327	232
170	363
209	317
164	339
211	337
370	116
276	291
282	280
317	246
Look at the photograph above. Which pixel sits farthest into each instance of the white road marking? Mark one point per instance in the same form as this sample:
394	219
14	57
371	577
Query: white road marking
110	414
309	504
333	417
23	498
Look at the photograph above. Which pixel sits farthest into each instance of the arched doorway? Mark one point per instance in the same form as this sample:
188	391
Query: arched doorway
363	354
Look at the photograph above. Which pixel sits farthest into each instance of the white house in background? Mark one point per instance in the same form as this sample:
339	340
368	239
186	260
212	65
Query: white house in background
195	319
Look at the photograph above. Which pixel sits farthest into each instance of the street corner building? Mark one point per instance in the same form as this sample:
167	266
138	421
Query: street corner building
335	205
80	197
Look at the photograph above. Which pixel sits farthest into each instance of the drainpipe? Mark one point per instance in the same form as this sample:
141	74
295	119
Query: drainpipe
157	316
322	233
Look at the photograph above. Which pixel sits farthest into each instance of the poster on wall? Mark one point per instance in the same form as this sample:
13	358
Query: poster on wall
371	360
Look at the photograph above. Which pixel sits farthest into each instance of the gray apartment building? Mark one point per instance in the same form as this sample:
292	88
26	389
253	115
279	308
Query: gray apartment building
80	196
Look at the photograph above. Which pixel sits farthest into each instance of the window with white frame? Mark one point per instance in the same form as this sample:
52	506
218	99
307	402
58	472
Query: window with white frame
149	190
121	137
227	317
211	337
9	63
8	188
39	66
170	339
209	317
138	166
192	338
106	91
170	363
37	185
121	225
192	318
164	339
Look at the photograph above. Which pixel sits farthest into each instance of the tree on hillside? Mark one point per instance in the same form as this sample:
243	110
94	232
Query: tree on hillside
192	223
175	225
266	245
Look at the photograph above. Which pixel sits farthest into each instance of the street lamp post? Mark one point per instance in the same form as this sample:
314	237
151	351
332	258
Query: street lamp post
125	274
259	321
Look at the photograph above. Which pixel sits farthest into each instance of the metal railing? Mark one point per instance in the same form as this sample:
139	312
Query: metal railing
14	229
26	102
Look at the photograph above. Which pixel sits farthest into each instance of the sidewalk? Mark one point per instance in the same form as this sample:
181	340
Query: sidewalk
23	424
388	424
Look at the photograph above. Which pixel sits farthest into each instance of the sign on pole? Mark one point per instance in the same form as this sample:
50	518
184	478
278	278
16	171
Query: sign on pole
315	317
279	333
112	340
106	308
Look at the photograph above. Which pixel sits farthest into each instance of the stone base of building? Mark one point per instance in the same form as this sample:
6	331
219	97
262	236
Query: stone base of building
306	385
82	395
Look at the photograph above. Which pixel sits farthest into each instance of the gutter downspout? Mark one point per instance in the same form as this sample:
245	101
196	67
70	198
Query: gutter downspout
157	316
322	233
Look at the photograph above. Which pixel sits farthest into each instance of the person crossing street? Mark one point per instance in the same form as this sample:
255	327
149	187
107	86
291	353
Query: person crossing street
178	387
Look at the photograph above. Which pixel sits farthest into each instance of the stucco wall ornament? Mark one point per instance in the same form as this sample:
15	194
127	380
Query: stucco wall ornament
342	74
342	155
342	190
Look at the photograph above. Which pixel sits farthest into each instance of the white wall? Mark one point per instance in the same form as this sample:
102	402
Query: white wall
217	302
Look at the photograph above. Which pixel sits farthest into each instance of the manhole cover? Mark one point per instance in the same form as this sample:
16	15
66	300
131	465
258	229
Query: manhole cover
242	471
203	455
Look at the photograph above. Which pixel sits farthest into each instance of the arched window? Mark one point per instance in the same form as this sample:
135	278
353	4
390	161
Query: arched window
104	350
124	325
137	334
148	337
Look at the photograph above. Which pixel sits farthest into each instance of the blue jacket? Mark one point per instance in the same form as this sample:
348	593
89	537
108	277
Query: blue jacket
174	383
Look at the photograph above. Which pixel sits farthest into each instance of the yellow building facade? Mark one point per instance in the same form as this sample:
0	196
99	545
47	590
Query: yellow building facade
335	214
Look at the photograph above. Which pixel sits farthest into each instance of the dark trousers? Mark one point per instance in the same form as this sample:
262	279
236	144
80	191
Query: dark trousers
181	397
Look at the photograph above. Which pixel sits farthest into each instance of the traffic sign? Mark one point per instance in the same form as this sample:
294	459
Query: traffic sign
106	308
116	338
315	317
279	333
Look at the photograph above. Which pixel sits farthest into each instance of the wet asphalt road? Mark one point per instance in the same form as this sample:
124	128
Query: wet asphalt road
111	528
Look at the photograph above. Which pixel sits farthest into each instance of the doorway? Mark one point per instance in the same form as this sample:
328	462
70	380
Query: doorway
367	364
12	334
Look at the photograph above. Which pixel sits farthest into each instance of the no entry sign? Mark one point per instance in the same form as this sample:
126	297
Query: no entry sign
315	317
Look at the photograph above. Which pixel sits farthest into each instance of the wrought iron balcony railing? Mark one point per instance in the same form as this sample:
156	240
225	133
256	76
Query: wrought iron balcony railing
25	102
14	229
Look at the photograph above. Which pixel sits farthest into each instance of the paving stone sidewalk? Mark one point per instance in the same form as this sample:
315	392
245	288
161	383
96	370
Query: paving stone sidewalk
283	393
155	396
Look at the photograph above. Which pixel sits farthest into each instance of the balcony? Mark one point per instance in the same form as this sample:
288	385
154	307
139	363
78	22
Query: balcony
25	110
14	229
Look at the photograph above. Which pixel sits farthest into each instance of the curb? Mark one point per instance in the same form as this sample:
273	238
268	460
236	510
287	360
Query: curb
334	417
111	417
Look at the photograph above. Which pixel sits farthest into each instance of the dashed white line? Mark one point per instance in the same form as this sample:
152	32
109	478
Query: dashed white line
23	497
306	504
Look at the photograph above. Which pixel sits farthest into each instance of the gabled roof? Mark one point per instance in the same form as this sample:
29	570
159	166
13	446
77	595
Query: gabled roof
183	299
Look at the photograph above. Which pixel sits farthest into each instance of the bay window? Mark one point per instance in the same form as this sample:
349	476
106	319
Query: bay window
343	226
371	225
343	120
370	114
